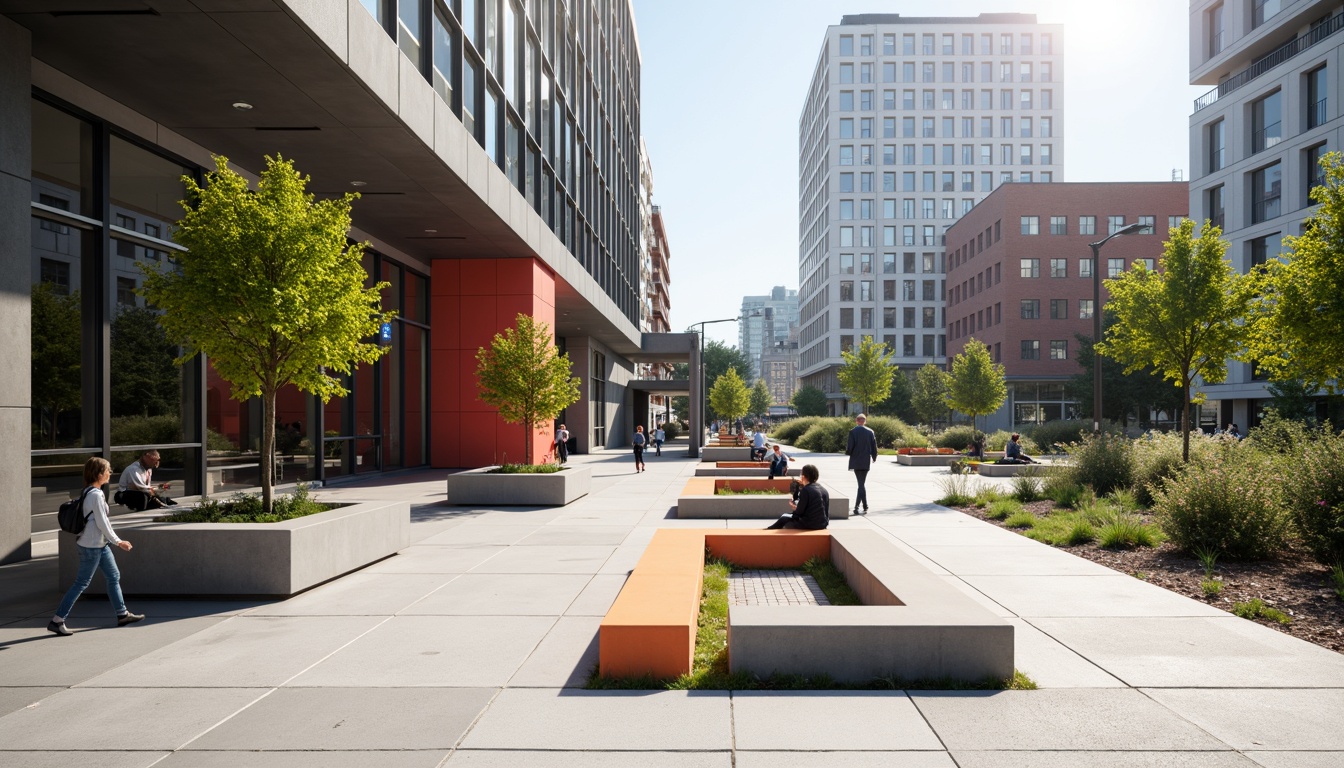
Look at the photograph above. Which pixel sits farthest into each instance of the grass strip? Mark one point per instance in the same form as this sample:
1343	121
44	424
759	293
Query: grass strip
832	582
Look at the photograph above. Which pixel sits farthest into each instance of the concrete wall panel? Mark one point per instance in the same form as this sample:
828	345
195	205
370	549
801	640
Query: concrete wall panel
15	284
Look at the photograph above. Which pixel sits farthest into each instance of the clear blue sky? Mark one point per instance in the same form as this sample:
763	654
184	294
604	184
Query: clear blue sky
723	84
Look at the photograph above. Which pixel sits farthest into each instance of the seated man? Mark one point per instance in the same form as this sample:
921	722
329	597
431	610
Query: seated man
136	485
976	450
812	511
758	444
779	462
1012	453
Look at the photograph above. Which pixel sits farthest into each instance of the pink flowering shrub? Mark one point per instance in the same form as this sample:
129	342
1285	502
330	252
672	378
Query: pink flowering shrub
1225	500
1313	492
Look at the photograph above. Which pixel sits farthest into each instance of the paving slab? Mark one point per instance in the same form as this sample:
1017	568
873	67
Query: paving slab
1105	595
617	513
359	594
160	719
34	656
1297	759
1228	652
565	658
474	651
769	720
293	759
53	759
474	533
957	583
982	535
583	720
1058	719
243	652
12	699
1263	719
173	608
576	536
843	759
597	597
475	758
436	559
351	718
502	594
515	516
547	560
1031	559
1225	759
1050	664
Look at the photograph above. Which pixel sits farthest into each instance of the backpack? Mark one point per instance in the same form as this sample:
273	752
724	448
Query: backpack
69	516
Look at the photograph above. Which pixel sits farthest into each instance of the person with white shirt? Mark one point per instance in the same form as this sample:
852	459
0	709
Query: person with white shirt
95	551
136	485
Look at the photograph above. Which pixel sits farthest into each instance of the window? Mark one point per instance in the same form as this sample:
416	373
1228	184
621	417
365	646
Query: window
889	268
1174	222
888	45
847	241
930	316
865	154
846	45
908	127
1059	267
866	45
929	266
927	46
846	127
908	317
1264	9
1024	128
1084	267
889	317
846	182
1059	350
1031	350
1149	225
866	100
1084	309
1059	225
846	343
847	290
1148	264
1266	189
1024	72
1313	172
1114	224
908	345
1214	16
1259	249
1047	43
846	74
846	101
1114	267
1266	122
1217	145
1031	309
1030	268
125	292
1026	156
847	155
930	294
1047	155
1031	225
1047	98
57	274
1316	97
847	317
1047	128
846	209
866	318
1059	309
1087	225
927	73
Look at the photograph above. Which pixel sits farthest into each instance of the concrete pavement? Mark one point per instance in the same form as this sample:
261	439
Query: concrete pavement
470	648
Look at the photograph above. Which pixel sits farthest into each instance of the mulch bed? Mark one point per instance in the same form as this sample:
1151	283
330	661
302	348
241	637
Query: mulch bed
1295	583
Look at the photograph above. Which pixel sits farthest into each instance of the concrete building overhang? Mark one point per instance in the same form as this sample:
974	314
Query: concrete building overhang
329	89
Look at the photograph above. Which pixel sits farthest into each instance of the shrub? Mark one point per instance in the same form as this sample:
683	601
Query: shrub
219	442
1157	457
1103	463
826	436
789	431
987	494
888	430
1027	486
526	469
1312	483
955	438
1127	531
1051	436
1021	519
671	431
242	508
1058	485
957	491
1211	587
1081	533
998	441
1257	609
1226	503
1124	499
1003	509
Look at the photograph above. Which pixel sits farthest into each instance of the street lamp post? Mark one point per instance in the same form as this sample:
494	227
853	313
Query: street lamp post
1096	318
701	373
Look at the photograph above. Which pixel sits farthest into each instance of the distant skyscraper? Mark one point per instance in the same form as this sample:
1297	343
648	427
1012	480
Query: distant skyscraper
908	123
766	320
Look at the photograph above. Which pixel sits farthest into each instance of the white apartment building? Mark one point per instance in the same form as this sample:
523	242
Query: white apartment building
766	322
1255	138
907	124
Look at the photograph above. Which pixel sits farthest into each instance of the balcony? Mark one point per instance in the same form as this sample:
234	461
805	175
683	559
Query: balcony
1271	60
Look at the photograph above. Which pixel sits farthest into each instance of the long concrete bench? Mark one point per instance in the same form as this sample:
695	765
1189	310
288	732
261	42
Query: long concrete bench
741	469
989	469
650	629
725	453
699	500
927	459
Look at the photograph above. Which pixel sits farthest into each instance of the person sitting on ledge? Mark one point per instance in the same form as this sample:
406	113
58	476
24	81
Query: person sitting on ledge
779	462
1013	452
812	510
758	444
136	485
976	449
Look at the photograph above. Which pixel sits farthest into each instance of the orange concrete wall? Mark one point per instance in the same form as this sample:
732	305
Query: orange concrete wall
471	301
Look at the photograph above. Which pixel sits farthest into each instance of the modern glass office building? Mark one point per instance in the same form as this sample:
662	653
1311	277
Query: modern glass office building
495	144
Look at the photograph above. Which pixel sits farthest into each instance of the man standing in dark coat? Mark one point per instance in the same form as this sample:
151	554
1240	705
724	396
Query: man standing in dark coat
862	449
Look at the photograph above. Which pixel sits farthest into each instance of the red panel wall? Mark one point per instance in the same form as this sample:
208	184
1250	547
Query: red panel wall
471	301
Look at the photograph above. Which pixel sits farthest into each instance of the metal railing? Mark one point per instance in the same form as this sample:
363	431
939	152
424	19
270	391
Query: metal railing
1266	137
1270	60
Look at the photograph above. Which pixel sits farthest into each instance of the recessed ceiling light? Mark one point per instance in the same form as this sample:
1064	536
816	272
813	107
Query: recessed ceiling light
431	231
358	183
242	106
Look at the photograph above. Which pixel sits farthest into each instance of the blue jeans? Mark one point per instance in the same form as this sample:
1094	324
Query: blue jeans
89	561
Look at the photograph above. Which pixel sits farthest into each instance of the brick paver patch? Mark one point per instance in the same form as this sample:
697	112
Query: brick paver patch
774	588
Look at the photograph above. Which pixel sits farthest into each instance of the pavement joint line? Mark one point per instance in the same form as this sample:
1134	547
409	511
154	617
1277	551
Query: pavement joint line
1076	652
470	726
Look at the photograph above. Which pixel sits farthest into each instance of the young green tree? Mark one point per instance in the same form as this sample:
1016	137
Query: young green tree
977	385
55	372
1123	392
522	376
1292	399
719	359
1300	305
809	401
929	395
729	396
865	376
761	399
1185	320
269	289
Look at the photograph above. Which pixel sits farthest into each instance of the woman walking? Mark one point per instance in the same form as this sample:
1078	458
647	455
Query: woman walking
95	551
639	448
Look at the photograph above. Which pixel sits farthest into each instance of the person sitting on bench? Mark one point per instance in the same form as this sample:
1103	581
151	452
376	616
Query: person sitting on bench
813	509
1013	454
758	444
779	463
136	487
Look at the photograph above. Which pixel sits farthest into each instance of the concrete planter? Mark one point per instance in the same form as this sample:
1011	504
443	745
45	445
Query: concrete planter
1006	470
248	559
742	469
698	499
481	488
715	453
926	459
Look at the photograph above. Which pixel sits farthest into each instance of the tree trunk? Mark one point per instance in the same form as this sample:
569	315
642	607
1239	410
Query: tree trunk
527	442
268	450
1185	421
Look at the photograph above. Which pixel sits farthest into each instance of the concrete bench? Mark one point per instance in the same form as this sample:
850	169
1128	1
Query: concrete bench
699	500
741	469
1006	470
927	459
725	453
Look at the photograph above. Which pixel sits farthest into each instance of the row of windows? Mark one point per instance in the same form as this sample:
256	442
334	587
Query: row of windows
931	44
929	317
1025	154
1267	123
1024	99
931	181
935	345
932	290
927	264
1087	225
1265	187
927	71
1025	127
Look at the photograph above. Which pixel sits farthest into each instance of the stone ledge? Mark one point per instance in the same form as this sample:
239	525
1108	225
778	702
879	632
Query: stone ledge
926	459
698	500
481	488
725	453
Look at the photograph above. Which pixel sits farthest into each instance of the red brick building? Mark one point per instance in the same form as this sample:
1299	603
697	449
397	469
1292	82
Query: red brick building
1020	278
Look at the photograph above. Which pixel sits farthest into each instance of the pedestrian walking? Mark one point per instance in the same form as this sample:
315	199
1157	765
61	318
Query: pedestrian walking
659	436
639	443
862	449
95	551
562	444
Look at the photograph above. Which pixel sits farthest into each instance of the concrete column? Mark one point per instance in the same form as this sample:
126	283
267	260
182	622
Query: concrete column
16	146
697	415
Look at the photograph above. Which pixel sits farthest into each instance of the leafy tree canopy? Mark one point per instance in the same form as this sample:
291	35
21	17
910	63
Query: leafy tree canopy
523	376
809	400
928	397
729	396
978	386
760	398
866	374
1185	320
719	359
1122	393
145	382
898	401
56	348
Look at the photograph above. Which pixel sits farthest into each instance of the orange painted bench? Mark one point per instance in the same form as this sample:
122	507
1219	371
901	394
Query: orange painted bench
650	629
